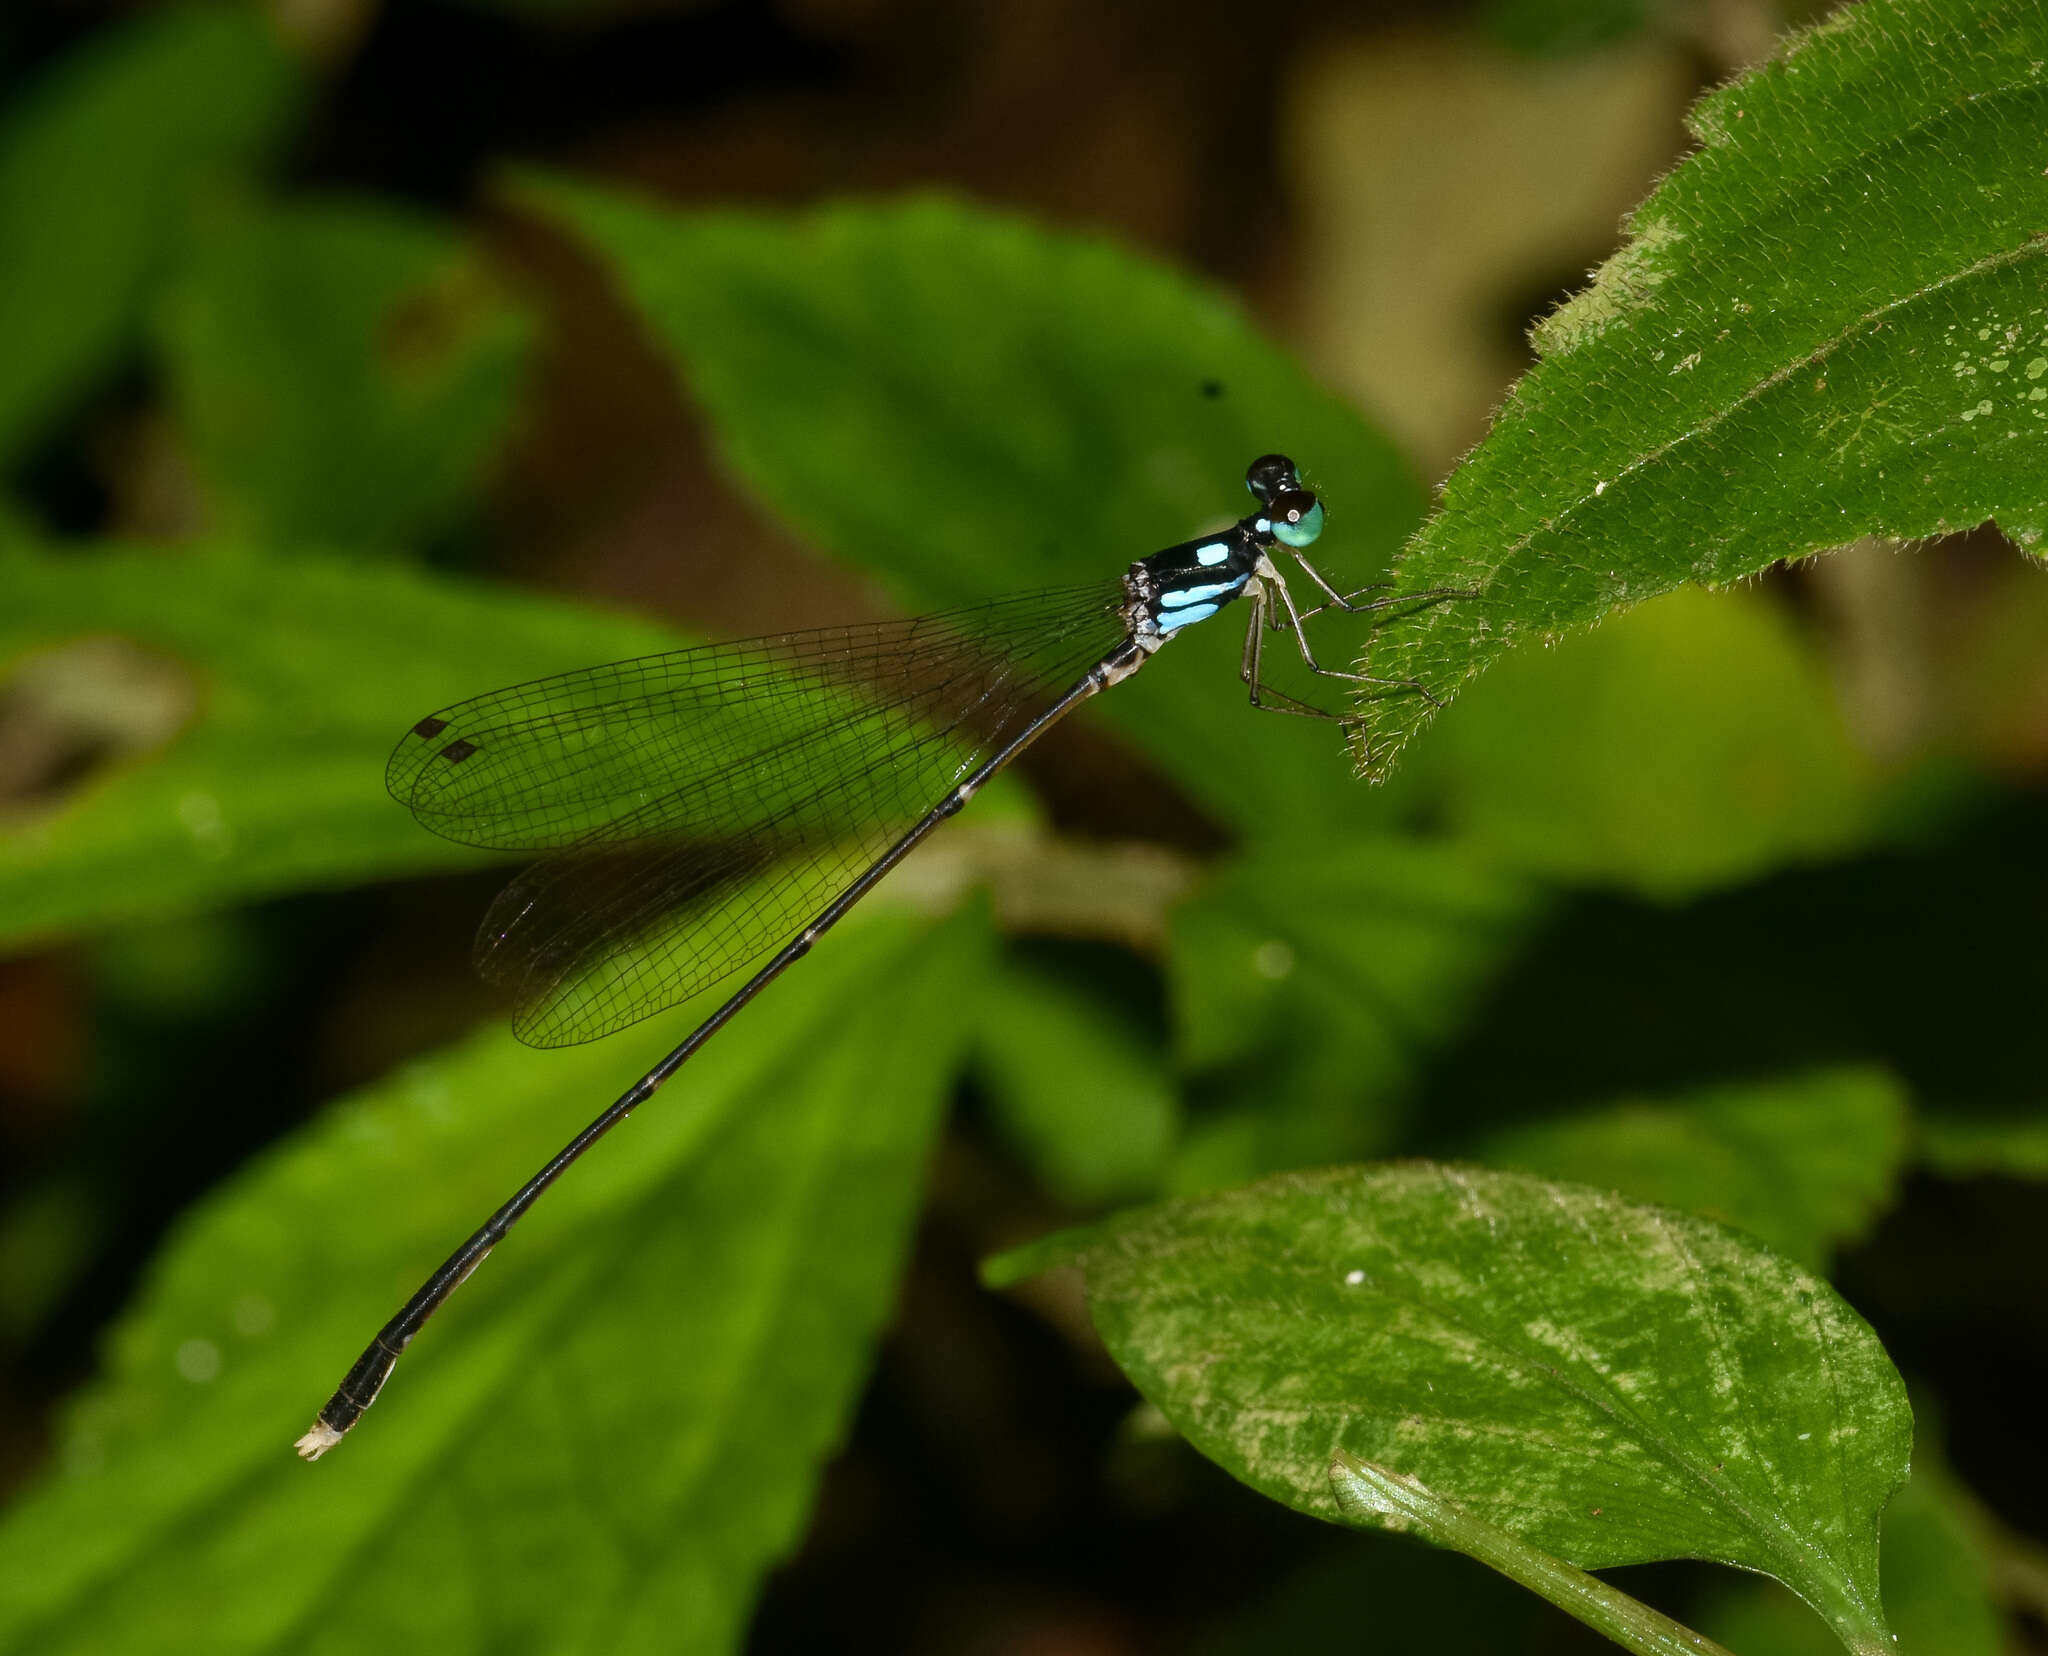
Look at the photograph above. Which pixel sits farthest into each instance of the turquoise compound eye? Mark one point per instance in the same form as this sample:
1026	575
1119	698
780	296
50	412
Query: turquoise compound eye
1297	519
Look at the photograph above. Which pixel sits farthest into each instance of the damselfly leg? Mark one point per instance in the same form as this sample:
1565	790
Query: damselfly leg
1282	614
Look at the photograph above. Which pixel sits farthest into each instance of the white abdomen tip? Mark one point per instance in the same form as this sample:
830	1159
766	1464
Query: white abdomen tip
321	1438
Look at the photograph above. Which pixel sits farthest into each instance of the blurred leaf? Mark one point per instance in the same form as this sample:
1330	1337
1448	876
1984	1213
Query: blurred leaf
1803	1162
1827	325
973	405
187	969
50	1229
1294	1105
262	698
585	11
1610	1383
1327	976
607	1435
1083	1097
1689	743
1395	936
1563	27
1938	1567
1385	1596
100	169
341	372
1937	1583
17	527
1962	1146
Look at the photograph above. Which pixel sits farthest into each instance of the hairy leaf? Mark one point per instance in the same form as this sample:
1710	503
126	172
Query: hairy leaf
1828	323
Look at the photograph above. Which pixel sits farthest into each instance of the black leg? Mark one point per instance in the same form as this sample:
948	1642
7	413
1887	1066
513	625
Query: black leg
1294	618
1348	602
1264	697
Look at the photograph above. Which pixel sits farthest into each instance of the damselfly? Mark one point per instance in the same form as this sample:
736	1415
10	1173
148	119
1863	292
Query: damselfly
696	809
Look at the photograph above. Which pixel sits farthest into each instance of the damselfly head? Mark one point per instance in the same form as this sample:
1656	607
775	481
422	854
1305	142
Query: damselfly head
1289	513
1270	475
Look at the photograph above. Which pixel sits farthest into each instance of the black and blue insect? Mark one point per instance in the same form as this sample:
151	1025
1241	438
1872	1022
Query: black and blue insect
1190	583
698	811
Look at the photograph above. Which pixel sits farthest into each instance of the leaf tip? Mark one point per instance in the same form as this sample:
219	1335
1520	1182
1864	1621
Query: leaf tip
1015	1265
548	193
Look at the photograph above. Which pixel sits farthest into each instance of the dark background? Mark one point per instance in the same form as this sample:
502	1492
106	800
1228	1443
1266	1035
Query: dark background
994	1497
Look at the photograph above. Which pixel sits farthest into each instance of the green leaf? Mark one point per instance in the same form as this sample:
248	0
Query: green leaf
1394	936
1372	1495
341	372
1826	324
1610	1383
1803	1162
1326	976
17	527
1690	743
1081	1094
1938	1588
972	406
1563	27
583	11
1962	1146
233	713
609	1433
101	168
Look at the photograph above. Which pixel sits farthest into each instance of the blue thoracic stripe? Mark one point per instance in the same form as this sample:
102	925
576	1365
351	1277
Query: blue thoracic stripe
1196	595
1212	554
1181	617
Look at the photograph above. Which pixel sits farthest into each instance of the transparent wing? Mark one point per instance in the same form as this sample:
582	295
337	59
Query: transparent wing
701	805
